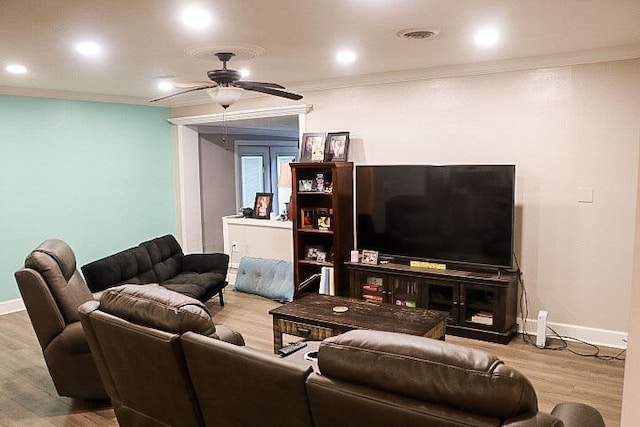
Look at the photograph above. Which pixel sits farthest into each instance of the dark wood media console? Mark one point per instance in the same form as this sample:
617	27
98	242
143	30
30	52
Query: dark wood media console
480	305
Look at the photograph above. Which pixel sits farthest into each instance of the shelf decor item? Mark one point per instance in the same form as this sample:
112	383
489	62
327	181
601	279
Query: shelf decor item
312	147
337	146
306	218
312	251
369	257
305	185
323	222
262	206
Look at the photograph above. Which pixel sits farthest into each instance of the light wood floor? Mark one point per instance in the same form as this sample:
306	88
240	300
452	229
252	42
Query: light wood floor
27	396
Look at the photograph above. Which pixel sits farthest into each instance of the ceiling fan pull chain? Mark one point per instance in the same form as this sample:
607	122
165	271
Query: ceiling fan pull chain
224	133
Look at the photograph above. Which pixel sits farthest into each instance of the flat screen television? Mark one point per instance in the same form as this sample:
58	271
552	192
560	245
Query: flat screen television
452	214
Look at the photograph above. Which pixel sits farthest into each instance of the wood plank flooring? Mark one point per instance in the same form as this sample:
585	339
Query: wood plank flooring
28	398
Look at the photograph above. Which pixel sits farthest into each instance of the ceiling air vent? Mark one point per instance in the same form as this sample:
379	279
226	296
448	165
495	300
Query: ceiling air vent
417	34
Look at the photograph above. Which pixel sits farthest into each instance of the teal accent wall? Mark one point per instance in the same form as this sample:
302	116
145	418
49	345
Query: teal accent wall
99	176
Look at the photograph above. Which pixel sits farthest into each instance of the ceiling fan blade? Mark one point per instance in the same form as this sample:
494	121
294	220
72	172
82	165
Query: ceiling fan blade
245	84
274	92
180	93
189	85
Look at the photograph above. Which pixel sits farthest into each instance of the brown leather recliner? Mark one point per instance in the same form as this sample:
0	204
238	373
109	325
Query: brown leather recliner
241	386
52	289
134	334
372	378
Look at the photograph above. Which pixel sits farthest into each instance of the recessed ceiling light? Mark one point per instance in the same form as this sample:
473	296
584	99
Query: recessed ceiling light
16	69
165	86
196	17
88	48
487	37
244	73
346	56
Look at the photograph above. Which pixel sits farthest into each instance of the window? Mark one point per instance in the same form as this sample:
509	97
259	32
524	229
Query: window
264	167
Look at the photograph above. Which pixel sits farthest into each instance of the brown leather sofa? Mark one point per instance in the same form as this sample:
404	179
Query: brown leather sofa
163	366
134	335
387	379
52	289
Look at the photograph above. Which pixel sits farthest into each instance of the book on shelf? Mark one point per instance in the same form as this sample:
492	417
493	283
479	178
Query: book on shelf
327	285
375	281
370	288
482	317
406	303
372	298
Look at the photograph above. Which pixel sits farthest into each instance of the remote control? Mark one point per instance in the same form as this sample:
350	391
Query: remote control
292	348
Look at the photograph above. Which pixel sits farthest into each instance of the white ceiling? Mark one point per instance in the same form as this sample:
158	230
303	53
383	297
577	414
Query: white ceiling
144	40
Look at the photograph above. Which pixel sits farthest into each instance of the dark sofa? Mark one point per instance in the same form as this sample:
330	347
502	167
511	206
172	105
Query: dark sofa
363	378
161	260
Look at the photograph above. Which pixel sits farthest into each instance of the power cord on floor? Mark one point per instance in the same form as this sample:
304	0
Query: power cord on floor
526	337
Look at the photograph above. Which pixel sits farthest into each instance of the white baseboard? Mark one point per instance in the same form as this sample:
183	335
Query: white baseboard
11	306
601	337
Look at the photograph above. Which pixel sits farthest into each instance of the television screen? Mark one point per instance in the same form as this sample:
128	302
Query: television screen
451	214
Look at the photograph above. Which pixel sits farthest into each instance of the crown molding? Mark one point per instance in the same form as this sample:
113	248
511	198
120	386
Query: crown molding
618	53
258	113
75	96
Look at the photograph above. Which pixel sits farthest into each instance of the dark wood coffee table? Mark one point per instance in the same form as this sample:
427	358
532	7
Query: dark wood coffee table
313	318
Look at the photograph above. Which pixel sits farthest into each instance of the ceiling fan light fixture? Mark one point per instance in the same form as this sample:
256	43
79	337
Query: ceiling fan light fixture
225	95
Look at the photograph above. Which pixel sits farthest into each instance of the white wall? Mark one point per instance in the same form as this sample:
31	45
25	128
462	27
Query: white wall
565	128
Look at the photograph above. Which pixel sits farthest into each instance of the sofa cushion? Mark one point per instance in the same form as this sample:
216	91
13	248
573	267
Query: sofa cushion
166	256
194	284
266	277
428	370
131	265
154	306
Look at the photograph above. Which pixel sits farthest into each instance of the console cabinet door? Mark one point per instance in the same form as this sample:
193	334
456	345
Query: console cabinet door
443	295
480	306
370	286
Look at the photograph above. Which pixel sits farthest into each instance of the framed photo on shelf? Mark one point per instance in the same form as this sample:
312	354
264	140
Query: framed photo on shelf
306	218
305	185
262	205
311	252
324	221
312	147
321	256
319	184
369	257
337	146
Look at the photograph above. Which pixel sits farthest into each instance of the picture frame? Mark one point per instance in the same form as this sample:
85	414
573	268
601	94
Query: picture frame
369	257
262	205
319	183
305	185
321	256
307	218
337	146
311	252
324	221
312	147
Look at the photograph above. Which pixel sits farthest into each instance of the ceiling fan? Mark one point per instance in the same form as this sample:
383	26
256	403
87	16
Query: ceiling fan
226	87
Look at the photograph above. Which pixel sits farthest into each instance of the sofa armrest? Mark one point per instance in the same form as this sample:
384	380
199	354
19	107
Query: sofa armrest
204	263
562	415
578	414
539	419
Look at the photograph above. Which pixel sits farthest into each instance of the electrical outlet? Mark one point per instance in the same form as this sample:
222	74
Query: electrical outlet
234	247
